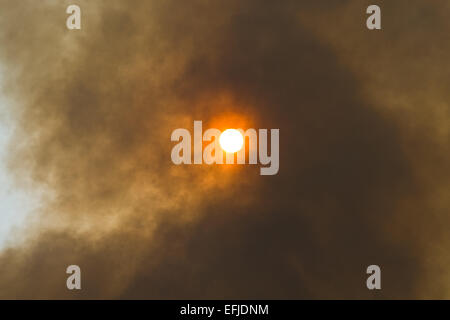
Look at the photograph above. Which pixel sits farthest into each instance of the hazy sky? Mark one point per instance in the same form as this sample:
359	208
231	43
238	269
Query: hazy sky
14	203
364	149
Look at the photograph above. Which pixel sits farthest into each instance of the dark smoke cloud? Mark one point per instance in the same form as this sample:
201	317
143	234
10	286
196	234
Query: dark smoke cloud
361	180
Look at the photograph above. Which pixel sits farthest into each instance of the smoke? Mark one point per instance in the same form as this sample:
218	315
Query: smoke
363	149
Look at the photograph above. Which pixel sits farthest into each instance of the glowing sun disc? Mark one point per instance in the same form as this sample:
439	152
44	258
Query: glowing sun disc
231	140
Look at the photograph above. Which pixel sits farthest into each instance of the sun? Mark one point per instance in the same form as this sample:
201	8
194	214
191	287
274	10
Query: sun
231	140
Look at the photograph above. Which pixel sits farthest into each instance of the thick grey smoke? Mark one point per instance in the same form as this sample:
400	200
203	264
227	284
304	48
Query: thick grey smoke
363	121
